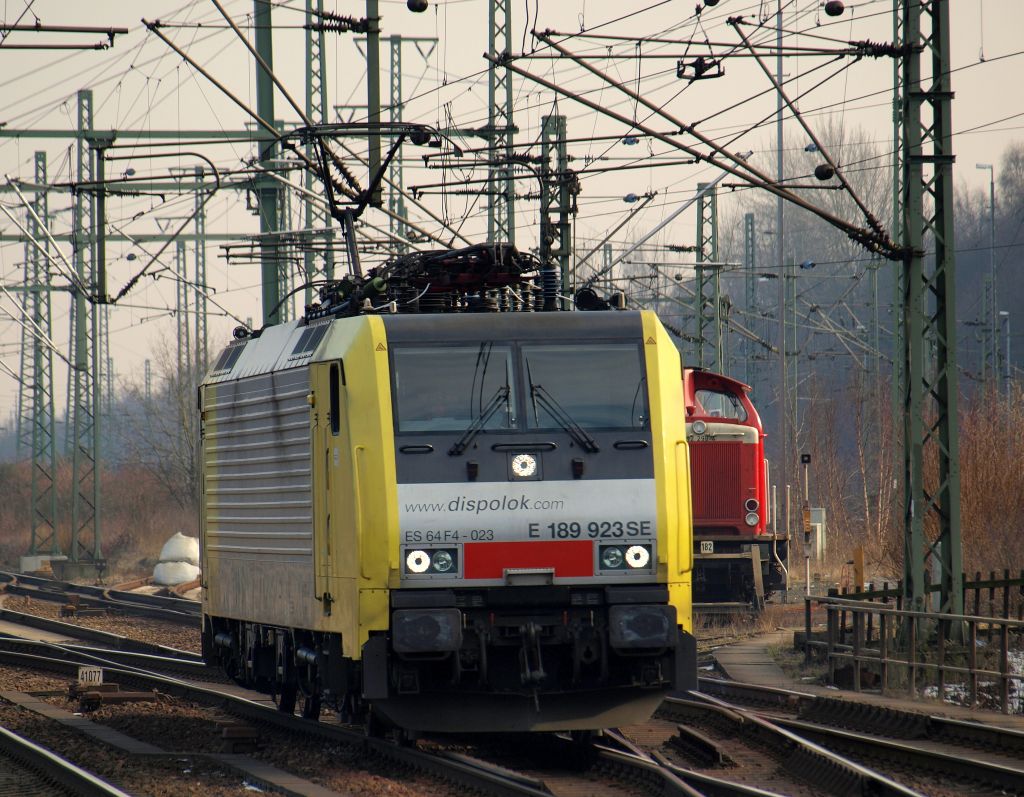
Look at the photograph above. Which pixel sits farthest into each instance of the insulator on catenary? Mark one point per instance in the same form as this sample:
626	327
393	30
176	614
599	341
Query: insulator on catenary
824	172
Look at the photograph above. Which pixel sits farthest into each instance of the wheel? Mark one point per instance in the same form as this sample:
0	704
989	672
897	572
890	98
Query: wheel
286	698
405	738
311	707
376	728
583	754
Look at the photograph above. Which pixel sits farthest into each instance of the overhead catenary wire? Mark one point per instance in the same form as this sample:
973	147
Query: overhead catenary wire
591	212
29	325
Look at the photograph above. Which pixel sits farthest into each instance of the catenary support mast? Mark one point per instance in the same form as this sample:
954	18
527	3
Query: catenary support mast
267	190
86	376
556	197
931	441
750	298
39	378
316	217
707	299
501	224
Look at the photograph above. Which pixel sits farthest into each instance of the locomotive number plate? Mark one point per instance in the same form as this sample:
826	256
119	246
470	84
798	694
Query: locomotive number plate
707	546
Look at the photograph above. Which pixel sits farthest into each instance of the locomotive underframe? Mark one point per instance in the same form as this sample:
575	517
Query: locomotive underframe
536	658
743	570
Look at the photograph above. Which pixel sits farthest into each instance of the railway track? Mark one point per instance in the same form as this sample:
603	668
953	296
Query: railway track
28	769
159	607
84	633
870	718
463	773
800	728
618	761
902	742
180	664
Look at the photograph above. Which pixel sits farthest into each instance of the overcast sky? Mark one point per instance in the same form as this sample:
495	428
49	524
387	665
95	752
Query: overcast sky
140	84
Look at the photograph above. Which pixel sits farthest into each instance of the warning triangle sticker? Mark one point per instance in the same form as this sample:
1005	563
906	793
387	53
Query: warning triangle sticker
650	341
380	347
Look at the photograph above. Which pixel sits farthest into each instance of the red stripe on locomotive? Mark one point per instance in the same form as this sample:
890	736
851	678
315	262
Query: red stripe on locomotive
569	558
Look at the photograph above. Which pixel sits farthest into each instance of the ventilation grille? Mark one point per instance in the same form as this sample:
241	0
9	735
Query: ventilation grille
717	486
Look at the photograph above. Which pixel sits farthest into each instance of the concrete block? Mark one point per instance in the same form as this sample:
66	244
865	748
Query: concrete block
33	564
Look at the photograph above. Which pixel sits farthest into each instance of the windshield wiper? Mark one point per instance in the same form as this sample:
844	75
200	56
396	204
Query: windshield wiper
555	410
499	398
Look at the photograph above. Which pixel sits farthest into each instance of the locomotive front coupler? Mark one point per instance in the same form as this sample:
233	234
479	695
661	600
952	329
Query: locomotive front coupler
530	658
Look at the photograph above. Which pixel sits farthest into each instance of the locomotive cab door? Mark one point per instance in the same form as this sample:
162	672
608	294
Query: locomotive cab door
330	464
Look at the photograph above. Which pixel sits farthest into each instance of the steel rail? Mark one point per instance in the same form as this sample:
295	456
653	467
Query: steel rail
193	668
490	780
140	603
51	767
755	694
56	585
666	777
91	634
959	766
892	722
825	769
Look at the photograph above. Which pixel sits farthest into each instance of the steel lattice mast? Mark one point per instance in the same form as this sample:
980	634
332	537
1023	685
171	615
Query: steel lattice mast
396	201
501	223
43	434
316	217
556	195
86	378
898	336
750	291
267	191
931	439
283	246
707	284
201	346
181	314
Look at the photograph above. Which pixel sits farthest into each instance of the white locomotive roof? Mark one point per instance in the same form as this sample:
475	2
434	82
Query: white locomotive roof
277	348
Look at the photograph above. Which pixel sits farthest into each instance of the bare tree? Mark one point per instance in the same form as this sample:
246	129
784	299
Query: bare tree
161	431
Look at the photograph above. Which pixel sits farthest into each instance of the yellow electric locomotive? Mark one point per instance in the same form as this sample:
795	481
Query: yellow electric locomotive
457	520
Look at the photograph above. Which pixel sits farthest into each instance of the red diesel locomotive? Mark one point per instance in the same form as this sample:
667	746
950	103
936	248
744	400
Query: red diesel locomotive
737	559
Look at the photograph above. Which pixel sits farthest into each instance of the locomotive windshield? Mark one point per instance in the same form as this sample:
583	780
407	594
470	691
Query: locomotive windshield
598	386
718	404
446	389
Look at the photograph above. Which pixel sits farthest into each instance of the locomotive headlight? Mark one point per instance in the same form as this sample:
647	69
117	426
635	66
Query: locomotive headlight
638	556
699	427
442	561
751	505
417	561
611	557
524	466
751	518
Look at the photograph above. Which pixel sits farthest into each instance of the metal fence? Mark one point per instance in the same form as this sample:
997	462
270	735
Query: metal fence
994	596
912	650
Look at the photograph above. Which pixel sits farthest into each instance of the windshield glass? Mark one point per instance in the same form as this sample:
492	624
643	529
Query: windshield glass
599	386
444	389
717	404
